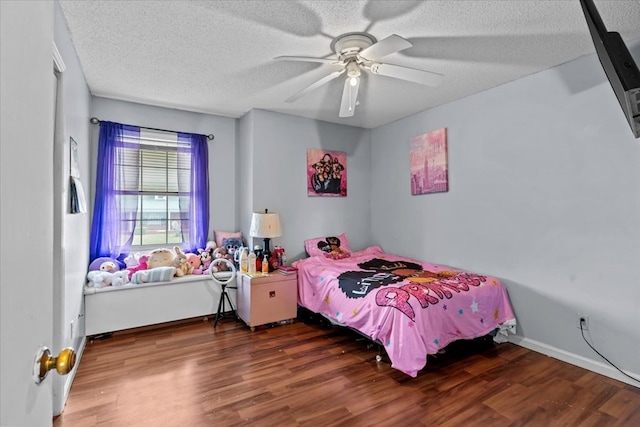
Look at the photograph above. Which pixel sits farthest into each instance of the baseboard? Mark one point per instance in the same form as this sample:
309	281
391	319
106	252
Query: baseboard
574	359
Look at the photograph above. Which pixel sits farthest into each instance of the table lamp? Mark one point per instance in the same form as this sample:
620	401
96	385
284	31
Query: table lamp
265	225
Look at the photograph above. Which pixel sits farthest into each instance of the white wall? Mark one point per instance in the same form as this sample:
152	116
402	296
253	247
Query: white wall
222	162
544	177
277	161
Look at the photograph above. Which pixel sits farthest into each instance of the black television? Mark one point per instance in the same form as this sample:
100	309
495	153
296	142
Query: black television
618	64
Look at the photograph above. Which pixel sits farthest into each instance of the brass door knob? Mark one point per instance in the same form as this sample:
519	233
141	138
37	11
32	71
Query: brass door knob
63	364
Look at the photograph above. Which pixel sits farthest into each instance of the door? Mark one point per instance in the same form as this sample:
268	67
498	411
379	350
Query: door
26	208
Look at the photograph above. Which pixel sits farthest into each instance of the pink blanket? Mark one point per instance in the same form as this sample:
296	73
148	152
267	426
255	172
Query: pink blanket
413	308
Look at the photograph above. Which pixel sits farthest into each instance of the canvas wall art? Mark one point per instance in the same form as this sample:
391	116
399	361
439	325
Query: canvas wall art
428	159
326	173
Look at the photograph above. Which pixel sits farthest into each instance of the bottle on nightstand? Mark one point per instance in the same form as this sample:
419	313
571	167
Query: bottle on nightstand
265	265
244	267
252	262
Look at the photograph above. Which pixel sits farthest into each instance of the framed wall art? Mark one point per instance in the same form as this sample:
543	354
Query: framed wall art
74	167
326	173
77	201
428	161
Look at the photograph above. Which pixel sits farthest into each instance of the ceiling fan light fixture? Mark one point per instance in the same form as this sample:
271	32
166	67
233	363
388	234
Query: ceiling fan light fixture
357	51
353	69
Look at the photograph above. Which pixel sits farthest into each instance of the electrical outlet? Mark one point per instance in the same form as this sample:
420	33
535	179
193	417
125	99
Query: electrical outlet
583	322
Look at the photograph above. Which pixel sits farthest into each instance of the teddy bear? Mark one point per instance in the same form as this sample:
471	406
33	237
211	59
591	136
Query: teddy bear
195	262
183	267
100	279
218	253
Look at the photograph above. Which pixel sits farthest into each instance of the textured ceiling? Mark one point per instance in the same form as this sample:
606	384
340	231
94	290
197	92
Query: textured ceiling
217	56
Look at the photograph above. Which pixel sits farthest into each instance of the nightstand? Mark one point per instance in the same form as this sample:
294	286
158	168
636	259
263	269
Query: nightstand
267	298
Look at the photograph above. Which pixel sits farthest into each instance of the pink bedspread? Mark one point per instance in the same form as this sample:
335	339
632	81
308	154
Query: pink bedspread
414	308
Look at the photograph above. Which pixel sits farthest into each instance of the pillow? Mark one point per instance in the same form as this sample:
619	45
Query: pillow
221	236
158	274
334	247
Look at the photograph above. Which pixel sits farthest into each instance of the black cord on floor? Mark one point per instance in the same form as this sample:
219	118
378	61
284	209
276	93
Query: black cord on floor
600	354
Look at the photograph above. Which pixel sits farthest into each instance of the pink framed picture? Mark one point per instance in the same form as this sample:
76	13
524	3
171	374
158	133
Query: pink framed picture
428	160
326	173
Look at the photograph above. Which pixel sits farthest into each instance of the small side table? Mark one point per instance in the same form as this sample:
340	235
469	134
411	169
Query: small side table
267	298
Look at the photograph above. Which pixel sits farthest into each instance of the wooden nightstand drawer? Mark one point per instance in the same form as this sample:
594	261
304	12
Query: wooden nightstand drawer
267	299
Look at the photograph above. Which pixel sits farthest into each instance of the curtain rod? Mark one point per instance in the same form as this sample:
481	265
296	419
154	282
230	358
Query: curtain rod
95	121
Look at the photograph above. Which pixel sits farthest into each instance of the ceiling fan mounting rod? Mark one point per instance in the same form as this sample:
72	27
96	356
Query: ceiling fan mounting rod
350	44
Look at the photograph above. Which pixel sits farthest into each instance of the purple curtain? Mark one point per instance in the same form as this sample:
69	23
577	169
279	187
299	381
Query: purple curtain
107	229
194	209
117	191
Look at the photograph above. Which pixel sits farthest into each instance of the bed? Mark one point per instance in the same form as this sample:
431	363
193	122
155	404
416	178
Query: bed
412	308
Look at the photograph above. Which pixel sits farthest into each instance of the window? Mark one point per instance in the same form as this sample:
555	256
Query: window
154	191
151	191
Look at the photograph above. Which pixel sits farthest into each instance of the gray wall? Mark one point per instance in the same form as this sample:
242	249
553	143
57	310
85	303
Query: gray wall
71	232
275	167
222	150
543	193
544	175
244	162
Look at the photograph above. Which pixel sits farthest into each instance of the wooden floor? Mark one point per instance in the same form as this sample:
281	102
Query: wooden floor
308	373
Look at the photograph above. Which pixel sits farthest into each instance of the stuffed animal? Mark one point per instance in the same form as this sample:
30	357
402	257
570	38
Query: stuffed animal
232	245
142	265
104	264
131	260
195	262
221	252
100	279
180	262
278	253
160	258
206	256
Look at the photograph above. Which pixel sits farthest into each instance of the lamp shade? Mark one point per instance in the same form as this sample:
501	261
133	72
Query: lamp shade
265	225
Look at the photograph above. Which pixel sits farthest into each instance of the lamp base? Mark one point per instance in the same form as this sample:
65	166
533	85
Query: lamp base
267	252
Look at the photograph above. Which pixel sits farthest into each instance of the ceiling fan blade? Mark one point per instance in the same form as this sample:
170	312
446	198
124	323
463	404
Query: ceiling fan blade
405	73
308	59
315	85
392	44
349	98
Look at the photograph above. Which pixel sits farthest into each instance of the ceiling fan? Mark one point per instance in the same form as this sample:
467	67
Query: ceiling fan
357	52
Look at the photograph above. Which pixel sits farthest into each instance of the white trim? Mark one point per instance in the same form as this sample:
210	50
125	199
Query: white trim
574	359
72	375
57	59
